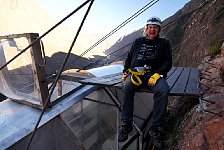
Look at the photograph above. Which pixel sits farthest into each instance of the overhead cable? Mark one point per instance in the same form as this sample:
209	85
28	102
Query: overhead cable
180	18
58	75
150	4
39	38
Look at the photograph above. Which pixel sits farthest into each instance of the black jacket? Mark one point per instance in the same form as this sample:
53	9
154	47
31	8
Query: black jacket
164	58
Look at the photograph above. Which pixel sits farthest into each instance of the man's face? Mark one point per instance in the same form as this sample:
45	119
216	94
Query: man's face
152	31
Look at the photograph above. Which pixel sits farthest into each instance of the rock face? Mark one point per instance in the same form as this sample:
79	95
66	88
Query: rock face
192	31
202	128
212	75
203	132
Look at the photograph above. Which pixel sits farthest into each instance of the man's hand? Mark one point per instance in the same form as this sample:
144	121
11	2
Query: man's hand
153	79
124	76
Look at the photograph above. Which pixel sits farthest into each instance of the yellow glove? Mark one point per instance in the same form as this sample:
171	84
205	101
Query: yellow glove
124	76
153	79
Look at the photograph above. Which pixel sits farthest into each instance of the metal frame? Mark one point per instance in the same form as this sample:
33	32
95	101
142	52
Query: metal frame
139	132
38	67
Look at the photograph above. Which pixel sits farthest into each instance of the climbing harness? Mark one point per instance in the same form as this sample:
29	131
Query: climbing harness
136	72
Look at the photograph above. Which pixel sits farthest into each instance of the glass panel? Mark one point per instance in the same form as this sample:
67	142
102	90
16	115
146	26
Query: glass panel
93	124
133	145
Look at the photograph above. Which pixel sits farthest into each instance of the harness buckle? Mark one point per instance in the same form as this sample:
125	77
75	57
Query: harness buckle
138	71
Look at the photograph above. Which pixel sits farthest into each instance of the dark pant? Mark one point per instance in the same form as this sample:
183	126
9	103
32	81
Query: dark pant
160	90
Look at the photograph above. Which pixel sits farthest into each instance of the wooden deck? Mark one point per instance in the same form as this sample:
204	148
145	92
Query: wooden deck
182	81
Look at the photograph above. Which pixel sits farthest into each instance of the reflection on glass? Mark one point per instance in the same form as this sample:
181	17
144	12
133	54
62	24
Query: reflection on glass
93	124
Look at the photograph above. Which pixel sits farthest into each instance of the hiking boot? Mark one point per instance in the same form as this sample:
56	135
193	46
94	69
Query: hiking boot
157	140
124	131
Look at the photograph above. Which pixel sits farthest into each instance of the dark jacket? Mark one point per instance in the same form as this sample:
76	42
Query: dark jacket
163	62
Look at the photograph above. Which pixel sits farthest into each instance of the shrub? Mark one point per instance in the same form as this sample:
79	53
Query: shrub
216	48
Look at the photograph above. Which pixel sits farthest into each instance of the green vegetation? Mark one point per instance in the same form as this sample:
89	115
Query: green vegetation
216	48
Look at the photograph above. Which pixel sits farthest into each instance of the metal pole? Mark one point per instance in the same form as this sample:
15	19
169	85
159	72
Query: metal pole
118	124
140	135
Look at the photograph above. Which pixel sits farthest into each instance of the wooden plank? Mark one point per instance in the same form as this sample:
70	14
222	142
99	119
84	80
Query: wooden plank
108	80
12	36
173	78
192	85
172	70
179	87
115	80
181	80
38	68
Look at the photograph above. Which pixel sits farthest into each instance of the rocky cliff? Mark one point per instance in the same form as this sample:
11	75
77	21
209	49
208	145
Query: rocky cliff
202	127
194	29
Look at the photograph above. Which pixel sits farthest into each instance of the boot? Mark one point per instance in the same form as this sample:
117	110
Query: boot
157	140
125	129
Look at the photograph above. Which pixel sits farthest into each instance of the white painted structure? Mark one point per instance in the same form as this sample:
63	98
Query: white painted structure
18	120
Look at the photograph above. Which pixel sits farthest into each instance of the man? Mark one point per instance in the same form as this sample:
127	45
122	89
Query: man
147	64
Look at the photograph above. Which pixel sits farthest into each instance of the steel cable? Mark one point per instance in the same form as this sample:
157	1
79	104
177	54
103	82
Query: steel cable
150	4
58	75
168	24
38	39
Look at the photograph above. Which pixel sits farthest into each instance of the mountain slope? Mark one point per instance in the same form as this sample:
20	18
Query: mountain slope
192	31
195	29
28	16
22	16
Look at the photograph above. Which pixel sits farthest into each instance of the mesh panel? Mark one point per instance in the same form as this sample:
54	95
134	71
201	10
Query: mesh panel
17	78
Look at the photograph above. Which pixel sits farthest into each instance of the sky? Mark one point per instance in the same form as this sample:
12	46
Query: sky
105	16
